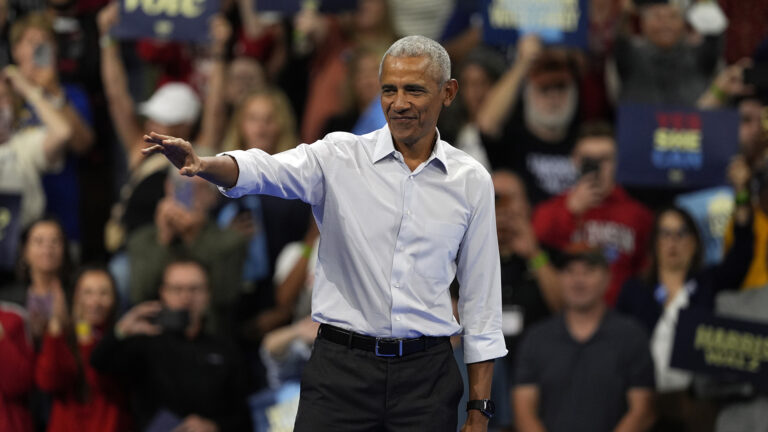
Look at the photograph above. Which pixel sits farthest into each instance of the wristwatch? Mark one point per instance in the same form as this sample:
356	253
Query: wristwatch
485	406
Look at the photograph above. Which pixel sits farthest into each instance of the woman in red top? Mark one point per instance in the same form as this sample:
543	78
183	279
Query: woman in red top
16	369
84	400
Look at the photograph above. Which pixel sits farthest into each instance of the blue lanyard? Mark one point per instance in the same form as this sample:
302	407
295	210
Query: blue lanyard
660	293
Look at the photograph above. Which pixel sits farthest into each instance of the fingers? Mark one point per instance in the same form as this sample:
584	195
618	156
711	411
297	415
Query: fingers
151	140
147	309
152	150
161	137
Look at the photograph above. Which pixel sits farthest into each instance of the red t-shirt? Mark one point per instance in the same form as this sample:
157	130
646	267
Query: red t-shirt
620	226
17	362
104	407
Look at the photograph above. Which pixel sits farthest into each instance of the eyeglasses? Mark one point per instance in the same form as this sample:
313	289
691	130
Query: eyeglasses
179	288
677	234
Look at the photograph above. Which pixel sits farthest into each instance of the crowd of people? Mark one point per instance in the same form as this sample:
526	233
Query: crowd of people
135	298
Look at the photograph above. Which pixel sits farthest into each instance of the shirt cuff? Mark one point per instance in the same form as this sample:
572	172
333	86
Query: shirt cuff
482	347
238	189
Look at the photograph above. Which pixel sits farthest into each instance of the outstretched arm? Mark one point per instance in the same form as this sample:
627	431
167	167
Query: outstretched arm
219	170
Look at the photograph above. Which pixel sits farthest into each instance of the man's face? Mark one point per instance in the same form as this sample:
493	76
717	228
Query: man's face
603	151
412	98
475	84
551	100
583	284
185	286
662	24
511	205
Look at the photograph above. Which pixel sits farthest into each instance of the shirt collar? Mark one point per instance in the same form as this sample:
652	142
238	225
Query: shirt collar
385	147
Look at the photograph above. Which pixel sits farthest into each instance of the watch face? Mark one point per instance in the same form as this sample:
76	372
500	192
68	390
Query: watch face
490	407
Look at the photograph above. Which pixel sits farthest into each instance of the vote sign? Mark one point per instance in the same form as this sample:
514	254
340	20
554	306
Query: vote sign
675	147
178	20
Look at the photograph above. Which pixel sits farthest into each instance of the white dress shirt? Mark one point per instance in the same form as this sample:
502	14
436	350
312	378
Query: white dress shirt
392	239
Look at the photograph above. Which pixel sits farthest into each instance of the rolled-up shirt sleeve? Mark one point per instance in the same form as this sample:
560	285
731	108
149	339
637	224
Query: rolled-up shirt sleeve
479	276
292	174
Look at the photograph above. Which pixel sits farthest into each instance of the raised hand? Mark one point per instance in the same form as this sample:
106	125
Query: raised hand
108	17
178	151
137	320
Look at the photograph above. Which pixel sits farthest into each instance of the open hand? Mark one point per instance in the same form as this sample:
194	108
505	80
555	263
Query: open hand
178	151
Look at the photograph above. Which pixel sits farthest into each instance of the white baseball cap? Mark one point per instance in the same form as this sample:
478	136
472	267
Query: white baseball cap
173	103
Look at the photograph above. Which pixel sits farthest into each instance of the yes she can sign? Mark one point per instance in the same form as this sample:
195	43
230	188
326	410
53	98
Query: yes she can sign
181	20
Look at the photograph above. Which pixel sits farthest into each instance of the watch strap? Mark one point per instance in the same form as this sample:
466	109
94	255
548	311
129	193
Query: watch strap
485	406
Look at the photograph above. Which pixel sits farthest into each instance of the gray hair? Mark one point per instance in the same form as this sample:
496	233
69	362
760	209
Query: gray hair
421	46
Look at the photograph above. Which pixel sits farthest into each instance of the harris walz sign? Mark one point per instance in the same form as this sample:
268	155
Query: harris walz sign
561	22
718	346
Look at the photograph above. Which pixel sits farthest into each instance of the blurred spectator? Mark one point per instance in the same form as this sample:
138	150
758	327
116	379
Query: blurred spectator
757	275
604	21
263	121
361	109
245	75
586	370
421	17
458	123
528	280
747	29
5	48
26	154
33	45
182	375
528	119
329	39
529	283
17	362
598	212
182	226
286	349
664	65
173	109
674	282
44	267
84	399
76	37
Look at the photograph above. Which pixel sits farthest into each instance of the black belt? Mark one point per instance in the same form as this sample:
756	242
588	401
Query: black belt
382	347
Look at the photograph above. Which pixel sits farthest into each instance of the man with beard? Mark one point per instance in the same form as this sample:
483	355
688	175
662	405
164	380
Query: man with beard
527	120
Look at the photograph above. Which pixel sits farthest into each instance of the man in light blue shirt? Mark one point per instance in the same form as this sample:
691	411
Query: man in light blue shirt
401	213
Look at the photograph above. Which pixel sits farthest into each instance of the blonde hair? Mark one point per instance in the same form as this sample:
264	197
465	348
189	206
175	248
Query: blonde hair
287	138
38	20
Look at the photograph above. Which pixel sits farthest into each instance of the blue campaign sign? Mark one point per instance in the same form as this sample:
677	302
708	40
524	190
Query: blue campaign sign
10	229
561	22
711	209
722	347
674	147
290	7
178	20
